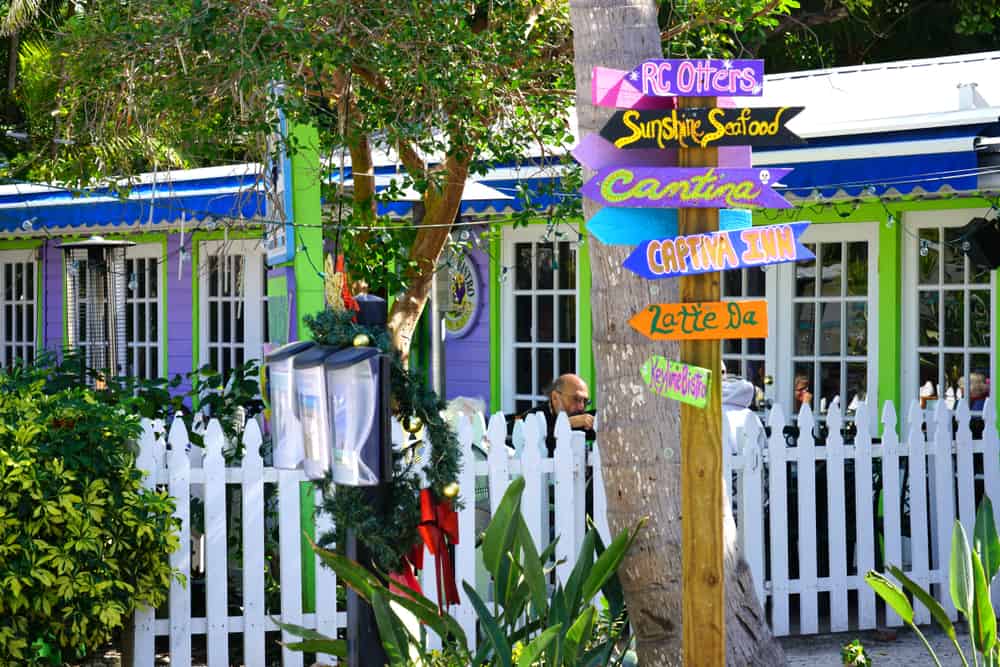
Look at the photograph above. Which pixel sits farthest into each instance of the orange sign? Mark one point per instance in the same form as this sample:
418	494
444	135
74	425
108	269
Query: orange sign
708	320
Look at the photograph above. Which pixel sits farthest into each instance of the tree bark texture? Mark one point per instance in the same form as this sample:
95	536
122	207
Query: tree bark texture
640	432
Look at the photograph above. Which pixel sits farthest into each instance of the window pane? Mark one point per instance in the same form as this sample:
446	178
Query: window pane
954	372
213	321
545	371
522	371
805	275
929	374
522	266
227	322
929	333
954	318
522	316
829	384
755	346
732	346
979	318
954	260
522	406
830	329
857	386
567	319
802	387
567	266
805	327
857	269
755	282
546	317
544	256
567	361
979	380
928	257
857	329
832	268
732	284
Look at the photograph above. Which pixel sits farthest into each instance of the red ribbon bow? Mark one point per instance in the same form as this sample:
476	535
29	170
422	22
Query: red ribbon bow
439	530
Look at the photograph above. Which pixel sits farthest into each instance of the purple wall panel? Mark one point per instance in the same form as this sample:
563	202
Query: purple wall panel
180	319
467	359
52	296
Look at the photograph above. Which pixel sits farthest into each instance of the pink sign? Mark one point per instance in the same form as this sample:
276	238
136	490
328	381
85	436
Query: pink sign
704	77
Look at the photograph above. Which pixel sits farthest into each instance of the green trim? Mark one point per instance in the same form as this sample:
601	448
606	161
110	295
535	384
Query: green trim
890	316
585	343
217	235
307	208
195	304
496	332
21	244
65	306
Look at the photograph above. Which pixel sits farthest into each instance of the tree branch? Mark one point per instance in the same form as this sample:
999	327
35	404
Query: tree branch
705	19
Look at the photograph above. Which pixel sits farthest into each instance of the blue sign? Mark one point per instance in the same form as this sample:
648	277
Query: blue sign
718	251
632	226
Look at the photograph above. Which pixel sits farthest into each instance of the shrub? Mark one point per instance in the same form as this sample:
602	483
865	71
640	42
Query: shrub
82	543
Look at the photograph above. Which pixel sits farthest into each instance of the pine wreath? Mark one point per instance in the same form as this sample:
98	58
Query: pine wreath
389	536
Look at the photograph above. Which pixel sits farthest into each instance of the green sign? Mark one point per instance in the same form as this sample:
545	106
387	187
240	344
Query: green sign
277	319
687	384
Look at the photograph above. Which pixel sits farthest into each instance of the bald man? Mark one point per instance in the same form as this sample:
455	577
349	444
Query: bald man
569	394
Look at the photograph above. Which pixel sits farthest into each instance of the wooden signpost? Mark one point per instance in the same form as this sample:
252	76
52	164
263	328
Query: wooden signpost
635	129
709	320
709	187
718	251
687	384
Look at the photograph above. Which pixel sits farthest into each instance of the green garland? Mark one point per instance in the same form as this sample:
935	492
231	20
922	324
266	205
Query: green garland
389	536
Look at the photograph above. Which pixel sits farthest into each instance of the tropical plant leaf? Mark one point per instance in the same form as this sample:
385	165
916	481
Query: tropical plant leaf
495	636
987	543
534	574
337	647
608	562
531	652
577	636
892	595
579	574
937	611
983	621
395	639
502	529
960	581
354	575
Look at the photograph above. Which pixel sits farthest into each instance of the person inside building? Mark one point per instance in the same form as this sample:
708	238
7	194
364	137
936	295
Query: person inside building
568	394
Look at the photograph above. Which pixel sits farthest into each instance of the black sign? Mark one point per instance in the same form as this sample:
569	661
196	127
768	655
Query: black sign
692	128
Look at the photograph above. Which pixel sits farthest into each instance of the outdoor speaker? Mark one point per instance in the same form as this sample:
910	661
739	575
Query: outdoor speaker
980	240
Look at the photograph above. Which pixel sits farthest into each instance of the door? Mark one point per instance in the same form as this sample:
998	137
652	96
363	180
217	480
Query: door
827	333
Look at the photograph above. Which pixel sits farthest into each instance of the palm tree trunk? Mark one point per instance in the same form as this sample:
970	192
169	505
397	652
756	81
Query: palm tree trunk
641	432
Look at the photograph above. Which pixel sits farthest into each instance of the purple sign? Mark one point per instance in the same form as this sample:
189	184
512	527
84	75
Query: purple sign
702	187
699	78
718	251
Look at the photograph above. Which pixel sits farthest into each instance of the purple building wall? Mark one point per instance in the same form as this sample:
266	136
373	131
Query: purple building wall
467	359
180	318
52	296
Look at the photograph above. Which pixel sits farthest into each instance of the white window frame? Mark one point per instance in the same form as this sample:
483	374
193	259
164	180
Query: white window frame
913	221
770	348
150	252
782	315
19	257
511	237
253	296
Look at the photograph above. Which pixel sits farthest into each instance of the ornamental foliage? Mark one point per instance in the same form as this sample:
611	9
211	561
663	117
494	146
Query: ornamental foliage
82	543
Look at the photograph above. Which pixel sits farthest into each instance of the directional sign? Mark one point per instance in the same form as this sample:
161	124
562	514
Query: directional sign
611	88
719	251
689	128
706	320
631	226
707	187
705	77
687	384
595	152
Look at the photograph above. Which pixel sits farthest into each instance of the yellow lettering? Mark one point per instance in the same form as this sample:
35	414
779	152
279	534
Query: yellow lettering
726	254
752	255
623	176
628	120
654	258
669	256
720	129
786	242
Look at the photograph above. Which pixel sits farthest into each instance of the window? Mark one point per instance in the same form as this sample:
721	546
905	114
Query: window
18	307
950	358
745	357
540	305
143	310
829	339
232	303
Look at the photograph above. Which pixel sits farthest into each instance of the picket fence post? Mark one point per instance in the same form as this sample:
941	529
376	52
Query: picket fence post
600	497
892	520
965	470
498	459
565	494
805	455
778	504
837	520
917	487
465	552
180	594
143	645
536	496
864	547
751	503
253	548
216	567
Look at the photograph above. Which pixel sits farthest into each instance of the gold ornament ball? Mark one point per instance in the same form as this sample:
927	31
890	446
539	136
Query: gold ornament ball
362	340
413	424
451	490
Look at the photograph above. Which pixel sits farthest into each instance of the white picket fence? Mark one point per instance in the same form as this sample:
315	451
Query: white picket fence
921	476
185	471
766	472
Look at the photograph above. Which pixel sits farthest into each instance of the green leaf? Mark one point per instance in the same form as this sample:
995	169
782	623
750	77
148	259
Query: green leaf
987	542
937	611
534	573
394	637
337	647
892	595
578	635
608	562
488	624
354	575
531	652
580	574
502	529
960	581
984	622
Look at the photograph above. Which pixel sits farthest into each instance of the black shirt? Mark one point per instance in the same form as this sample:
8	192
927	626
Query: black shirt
550	422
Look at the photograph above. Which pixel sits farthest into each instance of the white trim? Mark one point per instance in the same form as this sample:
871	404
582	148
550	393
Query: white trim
253	296
865	151
151	251
785	301
896	124
21	257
